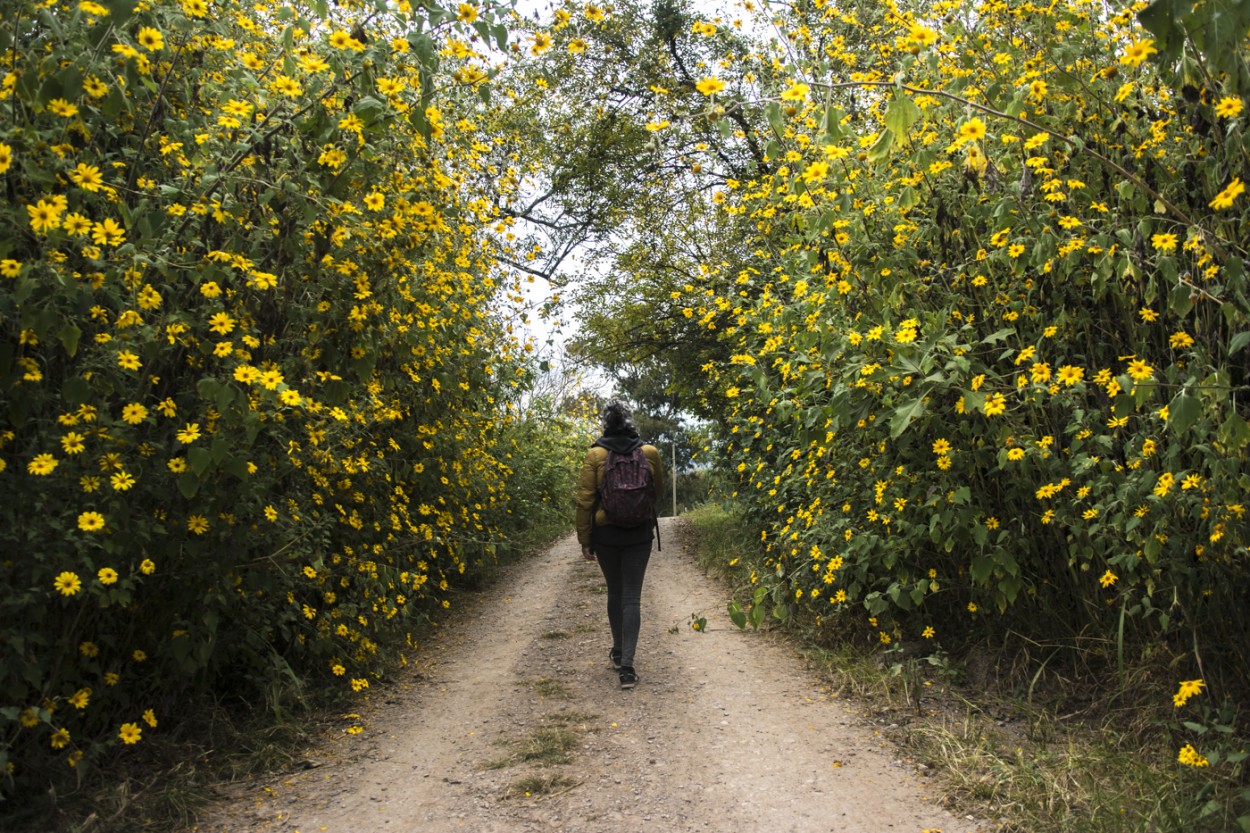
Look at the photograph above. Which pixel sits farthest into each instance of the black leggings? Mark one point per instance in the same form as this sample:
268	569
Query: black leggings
623	569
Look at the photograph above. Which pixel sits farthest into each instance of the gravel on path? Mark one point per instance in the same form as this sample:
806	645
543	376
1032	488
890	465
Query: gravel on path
513	721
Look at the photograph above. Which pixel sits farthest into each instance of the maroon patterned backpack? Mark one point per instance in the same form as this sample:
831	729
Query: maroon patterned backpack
628	492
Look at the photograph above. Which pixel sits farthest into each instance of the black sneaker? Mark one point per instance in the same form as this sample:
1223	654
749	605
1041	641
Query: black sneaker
628	678
615	656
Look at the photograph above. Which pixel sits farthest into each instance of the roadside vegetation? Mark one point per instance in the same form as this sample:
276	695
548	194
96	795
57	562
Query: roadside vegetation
1003	738
956	290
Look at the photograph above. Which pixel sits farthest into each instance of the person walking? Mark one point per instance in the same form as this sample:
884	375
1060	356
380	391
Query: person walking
620	542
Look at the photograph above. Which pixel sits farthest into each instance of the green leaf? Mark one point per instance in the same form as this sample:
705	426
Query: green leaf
1181	300
237	466
737	616
75	391
369	107
904	415
68	336
903	113
199	459
188	484
831	124
1183	412
881	148
1237	342
773	113
1234	433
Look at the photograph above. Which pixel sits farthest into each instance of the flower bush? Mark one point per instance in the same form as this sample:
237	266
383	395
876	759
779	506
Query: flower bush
988	370
257	380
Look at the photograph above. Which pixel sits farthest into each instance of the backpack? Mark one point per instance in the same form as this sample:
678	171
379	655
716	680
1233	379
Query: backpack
628	492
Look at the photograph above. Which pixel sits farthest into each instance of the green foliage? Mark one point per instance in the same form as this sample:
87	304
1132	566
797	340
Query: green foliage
257	388
987	366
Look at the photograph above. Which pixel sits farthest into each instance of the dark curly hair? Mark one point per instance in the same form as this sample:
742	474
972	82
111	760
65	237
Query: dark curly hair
618	419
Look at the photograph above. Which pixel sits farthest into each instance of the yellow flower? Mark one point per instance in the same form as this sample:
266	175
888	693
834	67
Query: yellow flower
1190	757
921	35
1228	107
62	108
972	130
710	86
91	522
6	157
73	443
466	13
149	717
189	434
147	567
107	575
130	733
816	171
1070	374
1225	198
220	323
134	413
797	92
1138	52
1163	242
108	233
1180	339
941	447
44	216
128	360
1139	370
287	86
342	40
87	177
995	404
197	524
41	465
1108	578
150	39
67	583
1188	688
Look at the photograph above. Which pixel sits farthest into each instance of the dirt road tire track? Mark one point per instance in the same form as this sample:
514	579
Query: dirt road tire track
726	730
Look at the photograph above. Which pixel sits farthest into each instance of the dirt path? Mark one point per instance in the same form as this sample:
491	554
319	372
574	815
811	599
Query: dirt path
725	731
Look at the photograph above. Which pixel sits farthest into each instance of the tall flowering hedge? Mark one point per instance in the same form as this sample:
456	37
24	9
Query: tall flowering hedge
991	368
254	389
